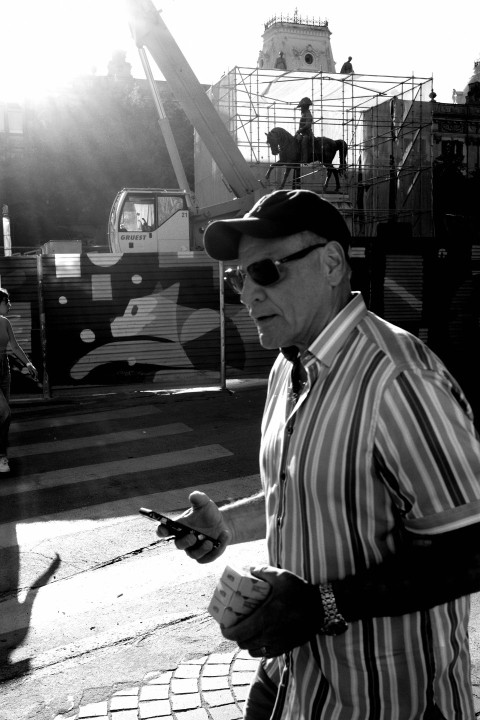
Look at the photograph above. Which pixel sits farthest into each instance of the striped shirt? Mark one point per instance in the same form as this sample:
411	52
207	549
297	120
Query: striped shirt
380	439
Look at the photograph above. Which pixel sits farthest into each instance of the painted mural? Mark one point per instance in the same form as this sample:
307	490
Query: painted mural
113	319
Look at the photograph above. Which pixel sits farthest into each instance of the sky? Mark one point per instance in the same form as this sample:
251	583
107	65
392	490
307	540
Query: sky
45	43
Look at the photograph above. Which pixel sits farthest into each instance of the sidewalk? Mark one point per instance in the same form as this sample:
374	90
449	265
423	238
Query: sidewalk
213	687
207	688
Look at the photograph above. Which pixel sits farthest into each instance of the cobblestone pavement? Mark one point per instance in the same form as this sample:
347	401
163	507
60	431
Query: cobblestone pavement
213	687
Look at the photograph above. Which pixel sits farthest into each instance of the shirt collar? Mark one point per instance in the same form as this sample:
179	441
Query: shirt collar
326	346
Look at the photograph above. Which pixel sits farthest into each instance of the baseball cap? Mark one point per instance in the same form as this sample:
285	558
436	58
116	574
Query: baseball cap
278	214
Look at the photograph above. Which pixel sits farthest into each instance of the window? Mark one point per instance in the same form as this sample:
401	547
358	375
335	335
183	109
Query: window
138	214
309	58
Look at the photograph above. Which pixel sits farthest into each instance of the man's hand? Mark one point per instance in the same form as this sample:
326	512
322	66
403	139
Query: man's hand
205	517
289	617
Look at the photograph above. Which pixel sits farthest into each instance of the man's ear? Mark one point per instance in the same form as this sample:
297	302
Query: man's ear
335	263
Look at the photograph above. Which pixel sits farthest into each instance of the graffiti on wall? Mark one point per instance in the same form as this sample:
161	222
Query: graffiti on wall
113	319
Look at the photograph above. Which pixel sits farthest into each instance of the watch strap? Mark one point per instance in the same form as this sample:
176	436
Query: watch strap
333	622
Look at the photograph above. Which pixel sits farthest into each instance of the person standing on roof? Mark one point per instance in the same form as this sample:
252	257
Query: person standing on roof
304	133
347	67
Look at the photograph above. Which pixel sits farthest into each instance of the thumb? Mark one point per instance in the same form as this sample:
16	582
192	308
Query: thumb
264	572
198	499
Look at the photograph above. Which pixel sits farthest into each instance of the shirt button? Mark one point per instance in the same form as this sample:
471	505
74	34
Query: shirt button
290	429
283	476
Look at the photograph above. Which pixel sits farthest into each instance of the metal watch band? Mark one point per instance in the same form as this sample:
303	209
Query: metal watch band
333	623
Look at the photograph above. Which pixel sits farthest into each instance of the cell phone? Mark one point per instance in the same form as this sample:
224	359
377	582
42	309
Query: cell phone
176	528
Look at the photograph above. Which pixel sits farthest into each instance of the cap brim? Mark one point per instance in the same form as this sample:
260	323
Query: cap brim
222	237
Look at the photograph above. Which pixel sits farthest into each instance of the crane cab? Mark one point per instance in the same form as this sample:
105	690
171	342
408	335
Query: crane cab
152	220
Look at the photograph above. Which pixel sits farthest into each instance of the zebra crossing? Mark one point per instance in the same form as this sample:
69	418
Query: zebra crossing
46	458
71	504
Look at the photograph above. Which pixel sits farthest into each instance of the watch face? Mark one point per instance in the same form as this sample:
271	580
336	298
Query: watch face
335	627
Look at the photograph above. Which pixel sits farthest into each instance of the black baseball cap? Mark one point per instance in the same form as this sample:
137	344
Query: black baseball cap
279	214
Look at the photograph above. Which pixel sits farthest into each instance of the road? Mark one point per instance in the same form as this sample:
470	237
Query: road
89	596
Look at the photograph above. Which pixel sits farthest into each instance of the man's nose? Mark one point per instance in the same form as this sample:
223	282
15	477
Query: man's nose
251	292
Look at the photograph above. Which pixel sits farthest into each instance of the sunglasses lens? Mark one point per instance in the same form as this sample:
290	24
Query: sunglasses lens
264	272
234	278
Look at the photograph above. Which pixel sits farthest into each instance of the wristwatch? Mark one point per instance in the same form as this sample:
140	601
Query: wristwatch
333	622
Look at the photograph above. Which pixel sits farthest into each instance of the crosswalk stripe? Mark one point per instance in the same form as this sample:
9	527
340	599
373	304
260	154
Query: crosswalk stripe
99	471
30	533
79	443
84	418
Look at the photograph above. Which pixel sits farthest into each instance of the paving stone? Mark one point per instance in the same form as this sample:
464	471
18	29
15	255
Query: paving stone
124	715
93	710
197	661
242	664
226	712
215	670
181	686
187	671
186	702
163	679
153	709
154	692
244	654
215	683
126	691
240	692
123	702
215	658
218	697
242	678
197	714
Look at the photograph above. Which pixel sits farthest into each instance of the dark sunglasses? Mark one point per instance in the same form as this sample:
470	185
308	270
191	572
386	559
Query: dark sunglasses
264	272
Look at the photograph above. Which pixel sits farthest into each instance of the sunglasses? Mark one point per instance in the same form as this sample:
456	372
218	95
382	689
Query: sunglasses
264	272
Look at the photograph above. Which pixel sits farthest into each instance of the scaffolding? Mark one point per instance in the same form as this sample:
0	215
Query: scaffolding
386	122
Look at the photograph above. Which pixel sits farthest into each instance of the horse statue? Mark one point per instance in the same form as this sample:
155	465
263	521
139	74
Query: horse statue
285	145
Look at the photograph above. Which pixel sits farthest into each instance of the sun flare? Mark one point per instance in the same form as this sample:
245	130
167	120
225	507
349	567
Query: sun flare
45	44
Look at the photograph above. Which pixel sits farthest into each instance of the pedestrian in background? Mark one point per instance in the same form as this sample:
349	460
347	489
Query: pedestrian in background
7	338
370	498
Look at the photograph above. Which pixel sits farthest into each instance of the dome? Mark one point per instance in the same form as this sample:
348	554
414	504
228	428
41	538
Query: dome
475	76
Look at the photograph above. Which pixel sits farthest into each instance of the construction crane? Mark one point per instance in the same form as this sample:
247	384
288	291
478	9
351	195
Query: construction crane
165	220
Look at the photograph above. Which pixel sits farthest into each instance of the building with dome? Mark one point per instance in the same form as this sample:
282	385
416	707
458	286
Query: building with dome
471	93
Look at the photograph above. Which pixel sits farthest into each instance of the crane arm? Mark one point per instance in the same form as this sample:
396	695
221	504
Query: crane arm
149	30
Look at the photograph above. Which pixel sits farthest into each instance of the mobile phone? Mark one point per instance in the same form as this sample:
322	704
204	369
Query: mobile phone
176	528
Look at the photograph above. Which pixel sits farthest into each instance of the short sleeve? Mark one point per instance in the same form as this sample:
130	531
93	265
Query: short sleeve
427	452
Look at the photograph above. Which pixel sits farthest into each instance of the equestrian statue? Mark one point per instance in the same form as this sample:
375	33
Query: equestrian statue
289	149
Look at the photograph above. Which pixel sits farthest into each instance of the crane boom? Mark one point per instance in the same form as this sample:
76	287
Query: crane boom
149	30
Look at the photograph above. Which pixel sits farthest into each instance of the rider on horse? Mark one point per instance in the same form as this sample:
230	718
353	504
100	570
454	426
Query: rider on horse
304	133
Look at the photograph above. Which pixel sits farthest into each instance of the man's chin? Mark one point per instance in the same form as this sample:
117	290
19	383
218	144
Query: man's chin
267	342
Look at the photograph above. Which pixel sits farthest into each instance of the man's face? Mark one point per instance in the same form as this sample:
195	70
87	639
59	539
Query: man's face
295	309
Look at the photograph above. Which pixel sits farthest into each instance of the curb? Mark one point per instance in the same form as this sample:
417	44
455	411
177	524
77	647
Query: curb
144	392
213	687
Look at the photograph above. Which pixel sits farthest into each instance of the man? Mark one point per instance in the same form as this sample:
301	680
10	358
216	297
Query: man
304	133
370	470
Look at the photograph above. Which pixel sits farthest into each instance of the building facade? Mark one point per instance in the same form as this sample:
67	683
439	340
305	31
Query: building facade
296	43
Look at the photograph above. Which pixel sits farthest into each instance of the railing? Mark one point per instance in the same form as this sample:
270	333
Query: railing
296	19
